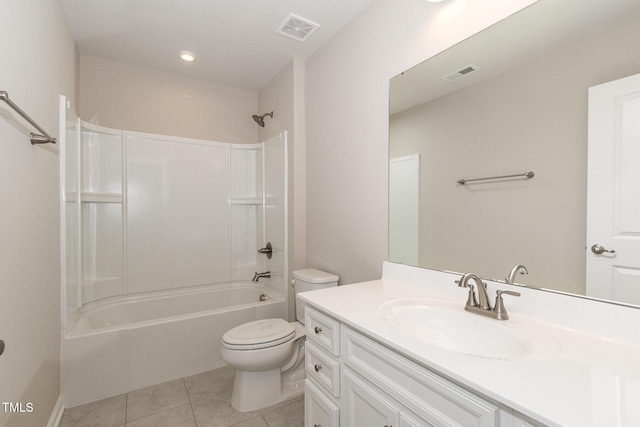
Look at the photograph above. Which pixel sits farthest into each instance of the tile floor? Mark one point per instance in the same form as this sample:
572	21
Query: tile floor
201	400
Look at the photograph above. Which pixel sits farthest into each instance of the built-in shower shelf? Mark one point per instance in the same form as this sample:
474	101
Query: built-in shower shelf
247	201
101	197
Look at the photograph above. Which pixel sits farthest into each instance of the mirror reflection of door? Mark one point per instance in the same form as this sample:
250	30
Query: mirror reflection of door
404	201
613	200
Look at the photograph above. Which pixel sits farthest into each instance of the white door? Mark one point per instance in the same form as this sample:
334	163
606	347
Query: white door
404	207
613	199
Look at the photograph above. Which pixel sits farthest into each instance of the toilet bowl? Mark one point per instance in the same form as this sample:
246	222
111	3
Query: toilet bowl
263	352
268	354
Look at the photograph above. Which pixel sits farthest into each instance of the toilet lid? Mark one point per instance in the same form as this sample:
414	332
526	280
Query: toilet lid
266	332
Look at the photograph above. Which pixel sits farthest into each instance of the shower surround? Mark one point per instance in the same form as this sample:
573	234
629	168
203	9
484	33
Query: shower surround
160	240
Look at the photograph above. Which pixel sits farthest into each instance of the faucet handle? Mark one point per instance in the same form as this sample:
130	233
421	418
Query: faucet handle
471	299
501	312
515	294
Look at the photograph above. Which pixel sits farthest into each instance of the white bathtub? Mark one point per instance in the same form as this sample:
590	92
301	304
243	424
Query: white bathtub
119	345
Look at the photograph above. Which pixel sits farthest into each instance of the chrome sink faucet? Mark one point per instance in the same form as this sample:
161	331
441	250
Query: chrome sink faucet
516	268
482	305
266	274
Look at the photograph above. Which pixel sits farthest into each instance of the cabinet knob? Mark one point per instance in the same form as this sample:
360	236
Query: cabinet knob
317	367
317	329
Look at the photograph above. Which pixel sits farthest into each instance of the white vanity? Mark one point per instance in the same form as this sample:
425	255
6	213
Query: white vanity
402	352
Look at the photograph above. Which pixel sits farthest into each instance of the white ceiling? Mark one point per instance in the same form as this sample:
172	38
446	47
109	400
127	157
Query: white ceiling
539	28
235	40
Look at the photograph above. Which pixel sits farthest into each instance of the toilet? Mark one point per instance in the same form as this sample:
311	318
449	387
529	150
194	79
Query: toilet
268	354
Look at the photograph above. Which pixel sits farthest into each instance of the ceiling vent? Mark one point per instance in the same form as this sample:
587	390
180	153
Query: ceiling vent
297	28
460	73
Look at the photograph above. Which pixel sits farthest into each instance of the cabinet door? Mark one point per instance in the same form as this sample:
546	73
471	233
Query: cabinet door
412	420
319	410
521	420
366	407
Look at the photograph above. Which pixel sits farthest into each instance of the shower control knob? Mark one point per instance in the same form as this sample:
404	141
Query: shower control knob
267	250
317	329
317	367
1	347
317	425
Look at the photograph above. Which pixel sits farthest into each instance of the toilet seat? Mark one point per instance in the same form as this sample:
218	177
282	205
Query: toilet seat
258	334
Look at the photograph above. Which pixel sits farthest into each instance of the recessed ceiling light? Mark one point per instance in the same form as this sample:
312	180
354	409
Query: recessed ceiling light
434	1
187	56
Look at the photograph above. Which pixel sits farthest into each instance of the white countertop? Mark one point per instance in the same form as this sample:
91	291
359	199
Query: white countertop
588	373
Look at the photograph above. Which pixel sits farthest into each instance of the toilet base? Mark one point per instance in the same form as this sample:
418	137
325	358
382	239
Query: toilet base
253	390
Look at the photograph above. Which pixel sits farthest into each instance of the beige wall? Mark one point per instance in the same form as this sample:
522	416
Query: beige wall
276	96
532	118
299	174
38	65
347	114
124	96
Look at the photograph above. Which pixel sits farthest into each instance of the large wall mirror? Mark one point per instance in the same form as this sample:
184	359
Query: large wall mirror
513	99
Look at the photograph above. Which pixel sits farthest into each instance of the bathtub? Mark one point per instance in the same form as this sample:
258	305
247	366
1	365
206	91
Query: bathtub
119	345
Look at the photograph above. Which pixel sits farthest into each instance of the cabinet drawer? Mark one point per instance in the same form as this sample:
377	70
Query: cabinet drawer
323	330
430	396
319	410
322	367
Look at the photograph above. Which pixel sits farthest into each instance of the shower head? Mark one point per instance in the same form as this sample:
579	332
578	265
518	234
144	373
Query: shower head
260	119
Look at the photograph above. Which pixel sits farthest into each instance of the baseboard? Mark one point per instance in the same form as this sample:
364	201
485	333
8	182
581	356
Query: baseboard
56	415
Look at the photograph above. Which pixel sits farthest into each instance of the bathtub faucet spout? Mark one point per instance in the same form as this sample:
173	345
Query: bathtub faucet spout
266	274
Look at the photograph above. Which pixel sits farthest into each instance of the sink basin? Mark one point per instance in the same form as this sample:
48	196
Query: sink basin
448	326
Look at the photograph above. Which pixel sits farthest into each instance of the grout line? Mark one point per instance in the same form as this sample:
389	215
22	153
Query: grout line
126	407
193	413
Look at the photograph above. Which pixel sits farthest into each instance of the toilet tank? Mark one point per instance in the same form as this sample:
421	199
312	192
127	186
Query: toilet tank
310	279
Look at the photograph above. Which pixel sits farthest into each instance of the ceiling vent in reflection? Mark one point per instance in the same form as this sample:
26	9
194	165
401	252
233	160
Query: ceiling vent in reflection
461	72
297	28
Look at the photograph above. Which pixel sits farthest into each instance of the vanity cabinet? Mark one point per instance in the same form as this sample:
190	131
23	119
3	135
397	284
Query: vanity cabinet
354	381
